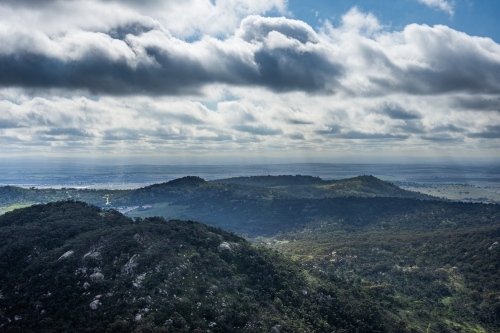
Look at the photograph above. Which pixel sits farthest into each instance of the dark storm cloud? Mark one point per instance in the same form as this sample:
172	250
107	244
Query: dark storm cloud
9	139
6	123
491	132
218	138
256	28
285	70
27	3
134	28
477	103
449	128
441	138
412	126
297	136
299	122
65	132
129	60
398	112
472	80
99	74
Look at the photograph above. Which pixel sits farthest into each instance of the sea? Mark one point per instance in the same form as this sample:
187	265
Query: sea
108	176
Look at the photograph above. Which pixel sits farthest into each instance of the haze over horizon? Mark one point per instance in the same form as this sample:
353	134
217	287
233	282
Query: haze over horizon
246	81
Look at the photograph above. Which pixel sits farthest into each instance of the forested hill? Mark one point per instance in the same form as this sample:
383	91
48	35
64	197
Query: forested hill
317	188
191	187
273	181
69	266
265	211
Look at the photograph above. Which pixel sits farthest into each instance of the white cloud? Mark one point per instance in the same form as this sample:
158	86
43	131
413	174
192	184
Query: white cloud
444	5
275	86
358	57
256	121
182	18
357	22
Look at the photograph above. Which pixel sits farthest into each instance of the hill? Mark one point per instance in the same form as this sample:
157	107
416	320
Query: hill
249	206
272	181
316	188
436	266
414	265
190	186
70	266
257	216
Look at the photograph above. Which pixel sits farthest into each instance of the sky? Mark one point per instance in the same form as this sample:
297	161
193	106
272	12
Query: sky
250	81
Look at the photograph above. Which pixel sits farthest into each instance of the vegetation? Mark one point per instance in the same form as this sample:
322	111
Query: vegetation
75	267
437	277
365	256
255	188
309	187
245	209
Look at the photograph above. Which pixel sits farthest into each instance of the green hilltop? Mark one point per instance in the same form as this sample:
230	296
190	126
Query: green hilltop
316	188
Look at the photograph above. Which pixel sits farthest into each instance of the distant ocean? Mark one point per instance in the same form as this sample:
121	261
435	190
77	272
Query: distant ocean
135	176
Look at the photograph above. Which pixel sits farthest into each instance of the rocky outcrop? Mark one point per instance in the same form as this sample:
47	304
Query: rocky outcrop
224	246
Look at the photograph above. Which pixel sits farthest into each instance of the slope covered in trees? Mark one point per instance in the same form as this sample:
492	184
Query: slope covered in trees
431	265
256	209
70	266
195	187
316	188
438	268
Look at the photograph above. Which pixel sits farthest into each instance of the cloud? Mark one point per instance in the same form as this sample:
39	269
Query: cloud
411	126
182	18
256	121
29	3
125	82
136	55
299	122
397	112
8	123
153	62
446	6
296	136
330	129
355	135
420	60
479	103
258	130
441	138
57	132
491	132
360	23
449	128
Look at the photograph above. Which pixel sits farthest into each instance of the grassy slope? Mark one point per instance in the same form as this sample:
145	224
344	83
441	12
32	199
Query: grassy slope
9	208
